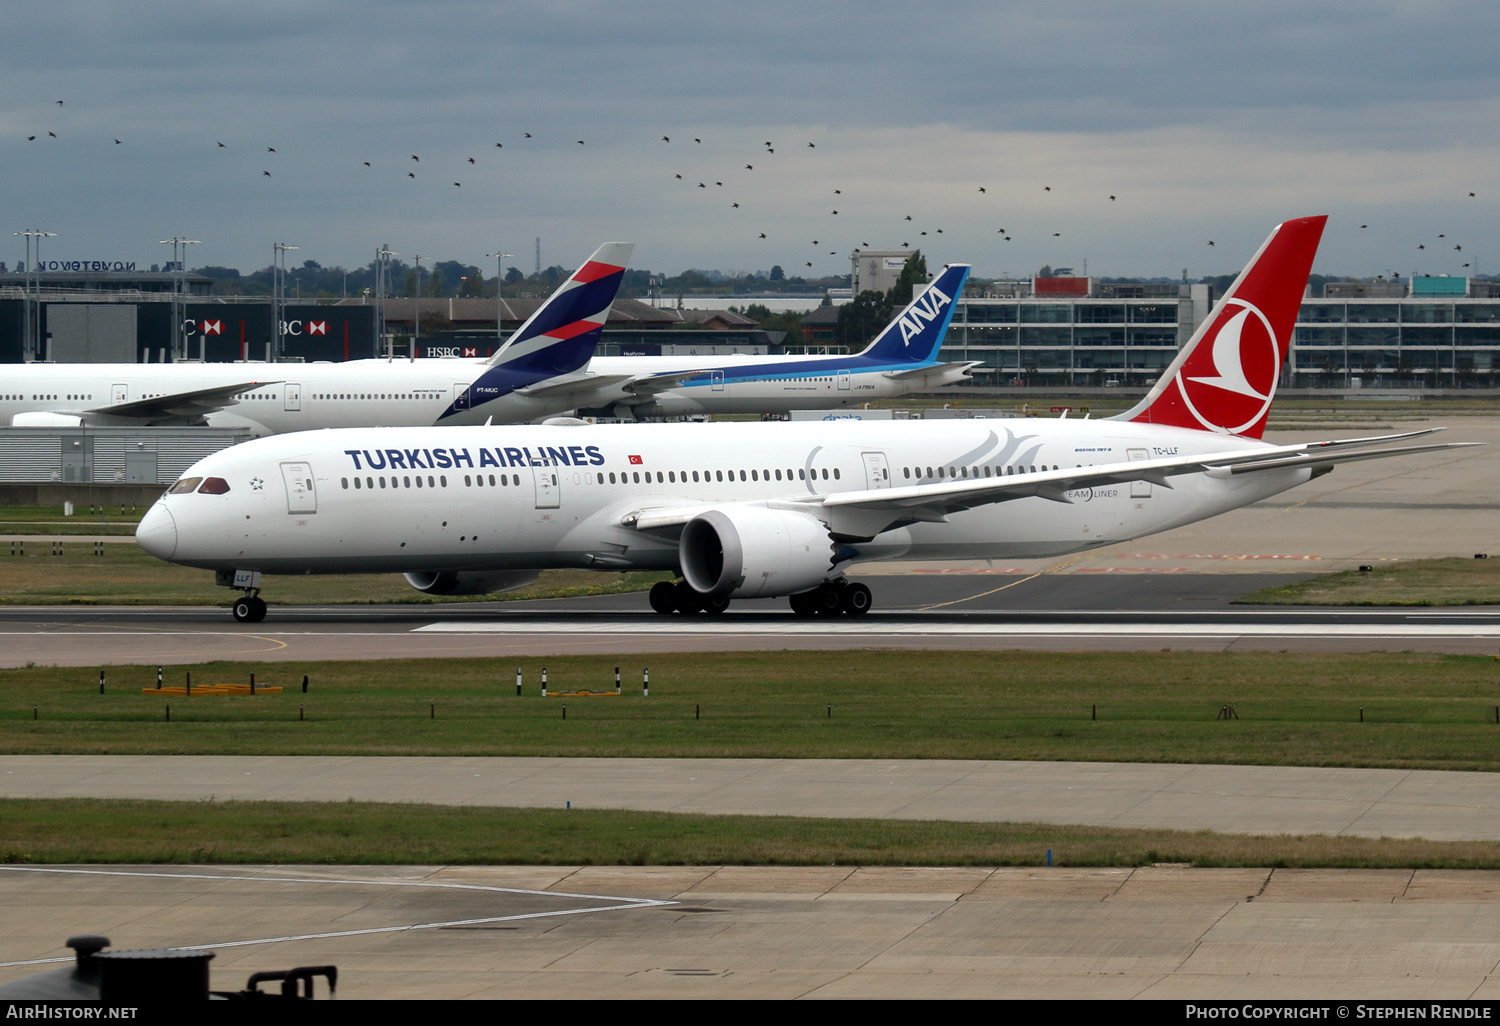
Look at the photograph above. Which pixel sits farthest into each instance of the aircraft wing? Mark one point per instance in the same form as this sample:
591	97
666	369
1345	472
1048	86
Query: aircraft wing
568	384
650	384
179	407
864	514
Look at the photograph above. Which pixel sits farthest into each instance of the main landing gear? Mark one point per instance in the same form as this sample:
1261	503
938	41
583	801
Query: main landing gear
834	598
250	609
668	597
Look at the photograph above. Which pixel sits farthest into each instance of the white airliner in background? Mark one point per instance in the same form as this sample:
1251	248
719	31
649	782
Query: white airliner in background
545	369
757	510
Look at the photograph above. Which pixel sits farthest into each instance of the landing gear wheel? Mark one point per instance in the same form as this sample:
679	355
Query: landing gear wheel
664	597
686	599
857	600
802	603
249	610
828	600
715	606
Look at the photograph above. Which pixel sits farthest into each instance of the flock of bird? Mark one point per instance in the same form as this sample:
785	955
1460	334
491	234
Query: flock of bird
768	150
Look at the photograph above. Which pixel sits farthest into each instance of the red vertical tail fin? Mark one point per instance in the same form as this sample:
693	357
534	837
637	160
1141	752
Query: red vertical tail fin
1225	377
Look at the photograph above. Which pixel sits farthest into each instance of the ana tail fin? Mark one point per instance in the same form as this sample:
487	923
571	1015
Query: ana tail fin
917	332
561	335
1225	377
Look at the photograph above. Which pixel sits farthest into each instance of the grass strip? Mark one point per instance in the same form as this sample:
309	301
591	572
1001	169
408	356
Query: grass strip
78	830
1398	710
1417	582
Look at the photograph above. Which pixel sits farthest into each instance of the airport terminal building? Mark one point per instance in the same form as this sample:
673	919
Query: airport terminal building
1073	331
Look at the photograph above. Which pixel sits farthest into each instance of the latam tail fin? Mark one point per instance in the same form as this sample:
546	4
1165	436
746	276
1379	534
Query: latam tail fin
918	331
561	335
1224	379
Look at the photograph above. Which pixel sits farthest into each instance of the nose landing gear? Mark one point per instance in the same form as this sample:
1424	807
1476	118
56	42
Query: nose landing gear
250	609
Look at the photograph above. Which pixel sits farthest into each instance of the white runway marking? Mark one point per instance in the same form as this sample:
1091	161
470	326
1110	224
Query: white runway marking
882	628
620	903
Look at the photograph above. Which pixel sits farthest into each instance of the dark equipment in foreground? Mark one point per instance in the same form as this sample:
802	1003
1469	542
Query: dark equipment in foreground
154	976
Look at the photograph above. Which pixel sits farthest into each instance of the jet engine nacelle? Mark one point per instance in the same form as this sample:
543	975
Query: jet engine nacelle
469	582
753	552
40	418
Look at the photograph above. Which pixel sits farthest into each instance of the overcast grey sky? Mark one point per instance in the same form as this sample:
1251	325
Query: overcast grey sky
1206	121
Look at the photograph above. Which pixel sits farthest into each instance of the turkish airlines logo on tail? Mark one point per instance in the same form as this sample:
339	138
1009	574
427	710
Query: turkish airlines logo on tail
1229	387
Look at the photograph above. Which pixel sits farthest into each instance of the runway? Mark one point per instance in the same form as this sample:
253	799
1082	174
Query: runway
618	624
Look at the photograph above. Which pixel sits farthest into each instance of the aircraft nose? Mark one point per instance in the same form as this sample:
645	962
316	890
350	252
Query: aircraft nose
157	532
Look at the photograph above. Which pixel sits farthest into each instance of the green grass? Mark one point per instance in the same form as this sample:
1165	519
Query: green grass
126	575
77	830
1420	710
1418	582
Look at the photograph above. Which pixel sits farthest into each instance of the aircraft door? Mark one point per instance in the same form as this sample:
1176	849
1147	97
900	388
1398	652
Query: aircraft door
301	495
843	381
293	395
1139	489
119	394
877	472
460	395
548	488
718	380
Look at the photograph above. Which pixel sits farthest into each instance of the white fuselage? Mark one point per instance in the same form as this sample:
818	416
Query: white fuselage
538	497
413	393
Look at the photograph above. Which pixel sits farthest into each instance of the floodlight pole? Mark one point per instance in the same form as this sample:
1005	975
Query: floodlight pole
499	296
278	293
32	330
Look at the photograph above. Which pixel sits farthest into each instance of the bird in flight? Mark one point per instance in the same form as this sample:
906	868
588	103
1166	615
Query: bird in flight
459	184
838	192
30	138
54	135
1058	235
270	149
1210	242
580	142
471	160
266	173
810	146
411	174
1466	265
981	188
367	163
221	145
1046	188
416	158
676	176
763	235
835	211
1420	246
702	186
908	217
117	142
749	167
736	206
59	103
665	139
527	134
1111	199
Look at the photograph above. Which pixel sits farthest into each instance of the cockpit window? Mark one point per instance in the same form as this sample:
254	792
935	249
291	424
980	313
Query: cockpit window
187	484
214	486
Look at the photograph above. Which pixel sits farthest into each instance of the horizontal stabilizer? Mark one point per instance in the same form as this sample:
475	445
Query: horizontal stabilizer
933	370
